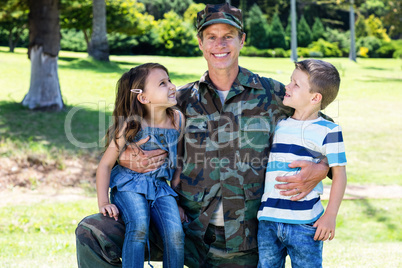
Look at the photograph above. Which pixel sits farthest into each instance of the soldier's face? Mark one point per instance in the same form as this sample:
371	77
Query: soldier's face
221	46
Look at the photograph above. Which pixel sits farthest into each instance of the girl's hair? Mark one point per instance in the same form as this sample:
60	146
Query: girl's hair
127	108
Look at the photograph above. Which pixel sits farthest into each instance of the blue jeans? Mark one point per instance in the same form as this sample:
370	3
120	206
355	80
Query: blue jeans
276	240
137	212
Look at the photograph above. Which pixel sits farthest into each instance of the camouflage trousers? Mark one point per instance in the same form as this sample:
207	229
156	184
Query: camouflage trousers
99	242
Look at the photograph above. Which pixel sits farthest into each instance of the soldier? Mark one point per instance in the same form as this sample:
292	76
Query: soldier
231	115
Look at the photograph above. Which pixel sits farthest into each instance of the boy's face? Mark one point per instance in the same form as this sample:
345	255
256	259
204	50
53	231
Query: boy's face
298	94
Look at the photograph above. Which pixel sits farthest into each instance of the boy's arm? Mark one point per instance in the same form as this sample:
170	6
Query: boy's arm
326	224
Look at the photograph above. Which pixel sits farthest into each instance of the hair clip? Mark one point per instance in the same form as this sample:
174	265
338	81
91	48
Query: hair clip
136	90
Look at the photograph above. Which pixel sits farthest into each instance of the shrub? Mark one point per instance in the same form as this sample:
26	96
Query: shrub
388	49
318	29
277	34
324	49
341	38
304	35
72	40
257	28
251	51
370	42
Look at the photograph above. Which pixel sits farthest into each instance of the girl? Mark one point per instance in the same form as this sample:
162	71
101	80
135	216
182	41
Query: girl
144	99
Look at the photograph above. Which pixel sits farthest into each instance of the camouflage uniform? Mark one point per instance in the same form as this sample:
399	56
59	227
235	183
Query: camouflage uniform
226	152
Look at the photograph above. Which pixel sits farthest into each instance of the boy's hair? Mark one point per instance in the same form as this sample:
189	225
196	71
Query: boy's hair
323	78
128	109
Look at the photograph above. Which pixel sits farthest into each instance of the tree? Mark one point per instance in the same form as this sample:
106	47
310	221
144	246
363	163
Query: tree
257	28
361	27
277	34
14	20
122	16
318	29
304	35
44	45
98	47
158	8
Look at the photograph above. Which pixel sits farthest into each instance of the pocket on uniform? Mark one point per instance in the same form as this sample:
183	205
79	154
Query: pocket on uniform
254	132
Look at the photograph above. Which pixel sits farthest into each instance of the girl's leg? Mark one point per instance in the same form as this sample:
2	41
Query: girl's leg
165	216
135	213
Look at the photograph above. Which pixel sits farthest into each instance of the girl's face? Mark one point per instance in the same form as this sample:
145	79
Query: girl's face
159	89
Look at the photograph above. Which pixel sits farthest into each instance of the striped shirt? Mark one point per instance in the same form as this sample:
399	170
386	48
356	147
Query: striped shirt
309	140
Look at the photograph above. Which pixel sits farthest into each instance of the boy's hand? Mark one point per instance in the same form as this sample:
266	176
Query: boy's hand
110	209
325	228
183	215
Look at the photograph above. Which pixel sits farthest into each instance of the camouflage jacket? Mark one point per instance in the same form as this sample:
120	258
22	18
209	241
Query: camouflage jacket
226	150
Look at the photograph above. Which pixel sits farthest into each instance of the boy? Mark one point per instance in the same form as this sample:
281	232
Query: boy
296	227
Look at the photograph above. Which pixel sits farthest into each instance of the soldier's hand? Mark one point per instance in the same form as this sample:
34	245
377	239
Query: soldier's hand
142	161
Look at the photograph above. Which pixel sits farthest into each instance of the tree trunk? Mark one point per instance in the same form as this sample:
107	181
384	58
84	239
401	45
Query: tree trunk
44	45
98	47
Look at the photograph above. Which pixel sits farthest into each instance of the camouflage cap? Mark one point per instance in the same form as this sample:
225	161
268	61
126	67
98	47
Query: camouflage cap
223	13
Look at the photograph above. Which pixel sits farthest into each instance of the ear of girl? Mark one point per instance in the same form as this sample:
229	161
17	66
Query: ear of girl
143	99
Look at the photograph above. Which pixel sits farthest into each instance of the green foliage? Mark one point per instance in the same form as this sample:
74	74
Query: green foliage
371	43
318	29
190	15
376	29
304	34
72	40
277	34
388	49
361	29
257	28
340	38
324	48
176	37
13	20
158	8
251	51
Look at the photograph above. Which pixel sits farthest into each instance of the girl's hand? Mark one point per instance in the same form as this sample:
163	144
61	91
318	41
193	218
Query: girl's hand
183	216
325	228
110	209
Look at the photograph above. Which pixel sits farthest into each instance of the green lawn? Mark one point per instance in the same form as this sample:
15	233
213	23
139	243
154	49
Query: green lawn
368	234
368	109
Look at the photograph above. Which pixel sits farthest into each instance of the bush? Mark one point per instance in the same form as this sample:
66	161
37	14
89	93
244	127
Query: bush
257	28
251	51
73	40
324	49
121	44
388	49
341	38
176	37
370	42
304	34
277	34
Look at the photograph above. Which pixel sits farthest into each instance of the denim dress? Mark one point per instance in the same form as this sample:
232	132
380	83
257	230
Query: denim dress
153	183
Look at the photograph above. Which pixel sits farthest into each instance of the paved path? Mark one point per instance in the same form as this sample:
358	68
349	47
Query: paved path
368	191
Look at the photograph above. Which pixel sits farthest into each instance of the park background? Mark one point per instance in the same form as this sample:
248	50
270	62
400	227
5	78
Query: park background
48	159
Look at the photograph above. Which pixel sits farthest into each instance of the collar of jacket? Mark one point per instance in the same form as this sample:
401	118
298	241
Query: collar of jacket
245	79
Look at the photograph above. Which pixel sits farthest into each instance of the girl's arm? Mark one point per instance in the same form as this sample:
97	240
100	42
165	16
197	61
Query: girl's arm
326	224
103	177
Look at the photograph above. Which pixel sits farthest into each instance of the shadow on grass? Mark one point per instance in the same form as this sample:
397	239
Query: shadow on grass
376	79
378	214
119	67
76	129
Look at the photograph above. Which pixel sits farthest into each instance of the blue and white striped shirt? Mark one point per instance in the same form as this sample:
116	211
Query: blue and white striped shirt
309	140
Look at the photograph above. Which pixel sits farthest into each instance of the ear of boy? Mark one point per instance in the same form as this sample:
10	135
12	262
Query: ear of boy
316	98
143	99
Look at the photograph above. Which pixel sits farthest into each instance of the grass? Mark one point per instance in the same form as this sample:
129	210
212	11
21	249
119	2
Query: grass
368	109
368	106
368	234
